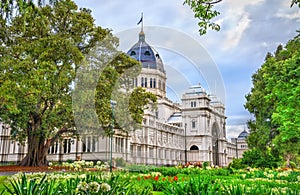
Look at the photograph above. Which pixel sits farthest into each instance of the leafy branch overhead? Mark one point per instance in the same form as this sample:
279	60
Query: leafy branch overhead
204	11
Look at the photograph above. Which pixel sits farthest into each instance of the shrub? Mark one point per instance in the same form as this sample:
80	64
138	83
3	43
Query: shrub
236	163
255	158
120	162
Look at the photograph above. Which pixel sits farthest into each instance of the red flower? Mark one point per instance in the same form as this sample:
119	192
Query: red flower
156	178
139	178
175	178
163	179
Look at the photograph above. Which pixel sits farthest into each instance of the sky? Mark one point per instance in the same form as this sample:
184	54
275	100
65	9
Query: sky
249	29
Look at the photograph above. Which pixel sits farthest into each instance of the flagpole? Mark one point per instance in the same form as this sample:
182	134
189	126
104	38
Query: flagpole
142	28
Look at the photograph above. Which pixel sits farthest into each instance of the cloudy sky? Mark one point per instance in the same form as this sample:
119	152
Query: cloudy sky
249	29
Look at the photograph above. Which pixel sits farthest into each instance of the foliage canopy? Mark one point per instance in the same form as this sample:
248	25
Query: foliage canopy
274	100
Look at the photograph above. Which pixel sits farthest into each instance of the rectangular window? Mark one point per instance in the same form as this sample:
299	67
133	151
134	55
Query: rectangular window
151	152
193	124
94	144
139	151
88	144
131	151
145	82
150	82
193	104
154	83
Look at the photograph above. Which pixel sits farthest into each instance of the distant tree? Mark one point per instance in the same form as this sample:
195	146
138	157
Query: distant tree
274	100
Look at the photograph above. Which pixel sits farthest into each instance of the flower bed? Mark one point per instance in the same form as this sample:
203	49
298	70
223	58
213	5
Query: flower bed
154	180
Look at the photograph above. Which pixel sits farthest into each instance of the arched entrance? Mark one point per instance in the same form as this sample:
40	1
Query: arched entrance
215	144
194	147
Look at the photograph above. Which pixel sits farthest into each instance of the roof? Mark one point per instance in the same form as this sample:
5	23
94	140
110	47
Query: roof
175	118
243	135
197	89
146	54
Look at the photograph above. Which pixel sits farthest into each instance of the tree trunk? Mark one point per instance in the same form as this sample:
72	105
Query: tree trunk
37	147
36	153
288	161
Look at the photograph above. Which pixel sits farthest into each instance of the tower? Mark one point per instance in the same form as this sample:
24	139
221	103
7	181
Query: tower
153	75
196	118
204	117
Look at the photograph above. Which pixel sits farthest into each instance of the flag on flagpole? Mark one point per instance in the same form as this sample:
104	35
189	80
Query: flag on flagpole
140	20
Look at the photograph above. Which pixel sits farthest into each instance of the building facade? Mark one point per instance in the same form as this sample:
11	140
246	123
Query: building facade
172	134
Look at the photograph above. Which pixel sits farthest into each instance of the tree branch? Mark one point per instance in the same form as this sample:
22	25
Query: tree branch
214	2
58	134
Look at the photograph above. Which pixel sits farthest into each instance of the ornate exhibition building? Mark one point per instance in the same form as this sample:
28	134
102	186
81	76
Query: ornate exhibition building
193	131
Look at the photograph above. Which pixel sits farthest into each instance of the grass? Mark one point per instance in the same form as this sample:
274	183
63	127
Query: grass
2	179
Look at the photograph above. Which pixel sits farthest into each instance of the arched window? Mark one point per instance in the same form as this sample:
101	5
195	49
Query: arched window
145	85
193	104
154	83
142	82
147	53
150	82
194	147
132	53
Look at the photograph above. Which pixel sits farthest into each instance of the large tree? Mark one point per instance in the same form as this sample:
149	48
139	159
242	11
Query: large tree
41	51
274	100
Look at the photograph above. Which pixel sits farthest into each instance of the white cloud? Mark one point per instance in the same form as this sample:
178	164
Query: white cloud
233	131
290	15
235	34
236	21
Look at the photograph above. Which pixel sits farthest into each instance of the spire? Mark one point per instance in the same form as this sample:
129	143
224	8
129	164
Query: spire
141	34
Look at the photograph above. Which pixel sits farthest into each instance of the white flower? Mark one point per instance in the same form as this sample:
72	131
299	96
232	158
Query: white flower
82	186
105	187
94	187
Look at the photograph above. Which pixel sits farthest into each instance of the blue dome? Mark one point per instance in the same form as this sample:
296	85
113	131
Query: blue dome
147	55
243	135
